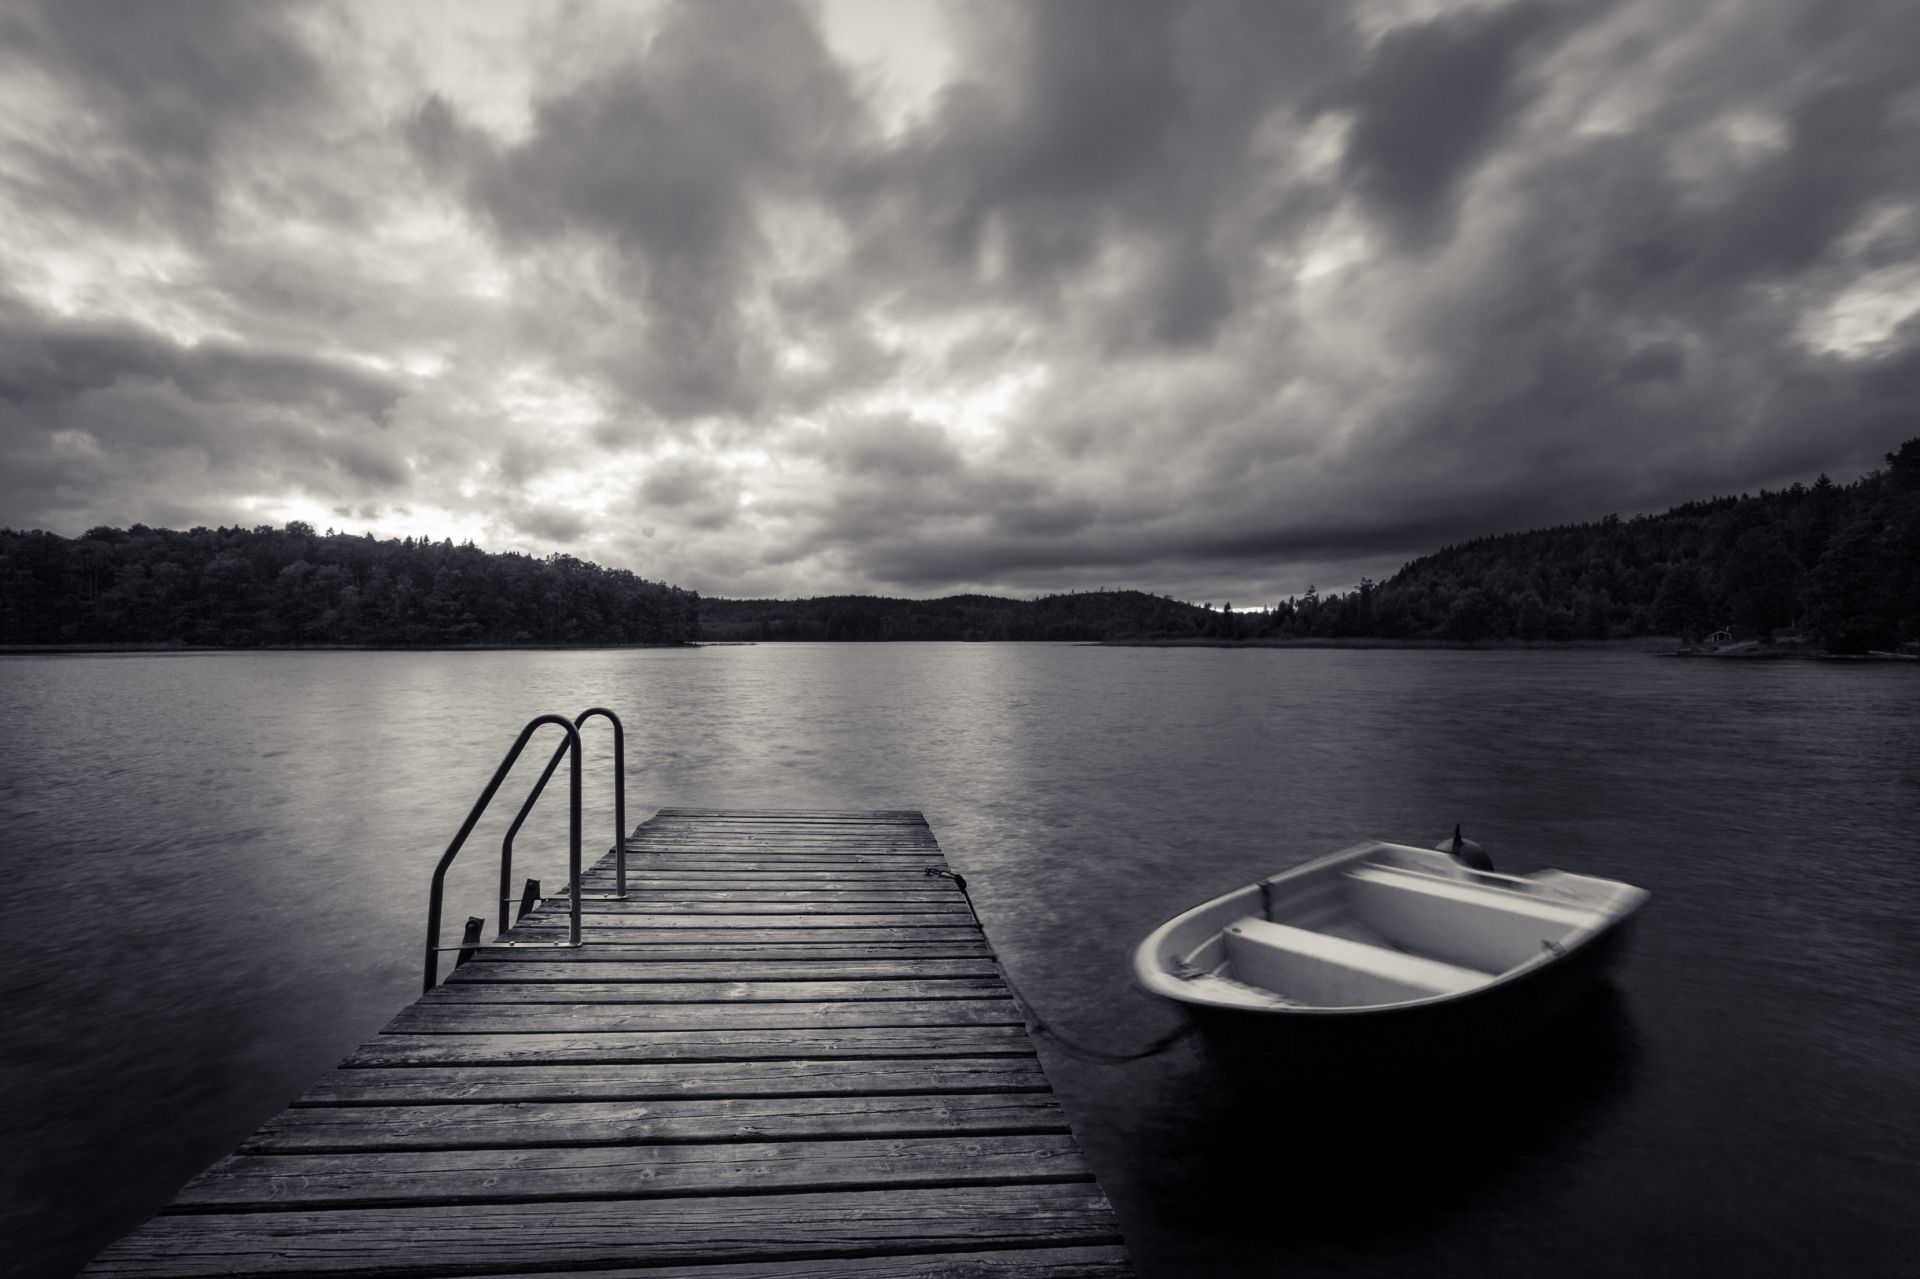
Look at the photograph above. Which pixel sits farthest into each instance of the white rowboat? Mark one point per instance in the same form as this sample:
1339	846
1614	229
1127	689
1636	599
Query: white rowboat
1381	946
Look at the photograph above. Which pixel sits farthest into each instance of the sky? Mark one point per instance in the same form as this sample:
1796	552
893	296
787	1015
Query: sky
1212	299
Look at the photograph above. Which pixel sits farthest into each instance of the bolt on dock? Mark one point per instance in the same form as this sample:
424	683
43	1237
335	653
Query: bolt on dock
788	1051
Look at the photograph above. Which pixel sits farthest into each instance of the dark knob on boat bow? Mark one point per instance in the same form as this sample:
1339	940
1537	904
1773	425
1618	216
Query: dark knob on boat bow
1465	851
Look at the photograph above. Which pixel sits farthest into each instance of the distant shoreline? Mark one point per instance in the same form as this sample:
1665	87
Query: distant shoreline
1744	653
1640	643
1655	645
57	650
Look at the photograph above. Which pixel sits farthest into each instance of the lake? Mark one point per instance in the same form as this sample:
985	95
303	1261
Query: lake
217	864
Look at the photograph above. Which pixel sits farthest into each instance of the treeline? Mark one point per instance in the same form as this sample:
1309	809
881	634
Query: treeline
245	588
1089	615
1839	564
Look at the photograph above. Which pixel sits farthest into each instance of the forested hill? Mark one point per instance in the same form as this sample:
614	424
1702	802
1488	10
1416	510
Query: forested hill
1089	615
1841	563
238	587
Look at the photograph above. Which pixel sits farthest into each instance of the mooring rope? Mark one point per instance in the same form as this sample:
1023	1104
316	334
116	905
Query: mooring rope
1068	1045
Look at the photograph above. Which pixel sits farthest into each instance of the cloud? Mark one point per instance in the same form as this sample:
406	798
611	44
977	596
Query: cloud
53	366
889	447
149	110
702	494
671	163
1216	299
1433	98
97	422
551	524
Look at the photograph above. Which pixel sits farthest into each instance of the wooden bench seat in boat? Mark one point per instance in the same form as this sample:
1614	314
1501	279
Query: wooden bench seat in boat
1487	928
1331	972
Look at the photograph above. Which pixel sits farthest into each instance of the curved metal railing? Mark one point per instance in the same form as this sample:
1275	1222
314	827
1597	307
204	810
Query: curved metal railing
571	745
619	817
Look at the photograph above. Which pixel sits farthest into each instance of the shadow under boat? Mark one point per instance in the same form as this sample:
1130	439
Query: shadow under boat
1387	1145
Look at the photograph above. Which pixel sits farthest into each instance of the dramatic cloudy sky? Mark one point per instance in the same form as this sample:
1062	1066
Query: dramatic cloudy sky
1214	299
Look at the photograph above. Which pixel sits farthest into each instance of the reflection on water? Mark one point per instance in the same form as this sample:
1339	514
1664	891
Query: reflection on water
221	860
1339	1165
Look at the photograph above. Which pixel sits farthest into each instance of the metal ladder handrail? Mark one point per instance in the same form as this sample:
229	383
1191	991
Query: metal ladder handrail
619	815
572	744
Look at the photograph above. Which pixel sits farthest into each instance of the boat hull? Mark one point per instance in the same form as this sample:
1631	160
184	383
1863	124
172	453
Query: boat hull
1461	1031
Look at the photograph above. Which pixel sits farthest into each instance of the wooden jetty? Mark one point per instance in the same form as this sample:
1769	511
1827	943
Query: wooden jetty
789	1052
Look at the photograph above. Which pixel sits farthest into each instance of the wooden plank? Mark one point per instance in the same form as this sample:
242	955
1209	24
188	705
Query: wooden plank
648	912
733	828
712	879
751	870
717	990
722	967
838	841
696	872
912	816
733	905
651	1081
598	1234
827	885
678	900
730	829
455	1018
631	934
680	950
641	915
818	832
751	847
1100	1262
774	821
367	1179
850	825
848	832
698	1045
697	890
673	1120
832	850
776	856
836	849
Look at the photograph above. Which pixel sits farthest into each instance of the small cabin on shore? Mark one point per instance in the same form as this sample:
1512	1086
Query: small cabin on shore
1720	637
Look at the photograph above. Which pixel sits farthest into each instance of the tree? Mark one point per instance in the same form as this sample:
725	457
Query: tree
1854	603
1681	607
1758	579
1471	617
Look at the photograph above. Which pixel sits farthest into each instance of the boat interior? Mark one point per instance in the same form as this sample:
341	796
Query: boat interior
1375	926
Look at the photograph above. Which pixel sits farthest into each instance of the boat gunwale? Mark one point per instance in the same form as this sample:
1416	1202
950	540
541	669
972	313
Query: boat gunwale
1154	977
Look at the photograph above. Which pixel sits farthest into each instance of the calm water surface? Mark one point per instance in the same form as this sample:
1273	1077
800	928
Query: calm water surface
217	864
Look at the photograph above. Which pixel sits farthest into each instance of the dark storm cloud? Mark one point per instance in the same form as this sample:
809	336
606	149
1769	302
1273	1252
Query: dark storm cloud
890	447
1093	128
1615	333
669	159
93	407
1216	294
694	489
44	363
550	523
1433	98
1079	538
165	101
1637	340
